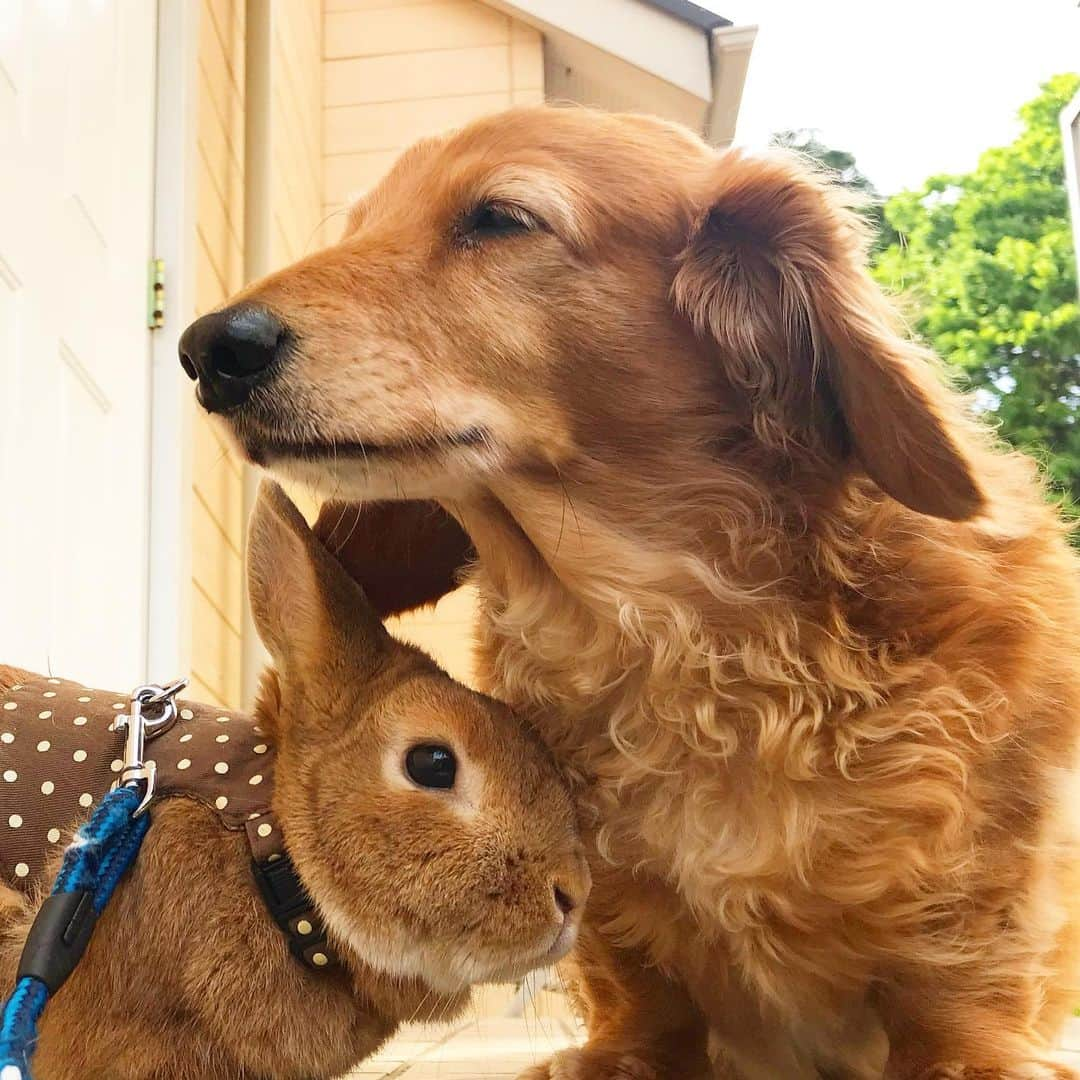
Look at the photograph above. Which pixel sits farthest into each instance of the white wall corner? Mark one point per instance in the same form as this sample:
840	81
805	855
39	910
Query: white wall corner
175	197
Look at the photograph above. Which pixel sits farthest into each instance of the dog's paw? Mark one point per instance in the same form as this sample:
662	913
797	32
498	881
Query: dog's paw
596	1064
1024	1070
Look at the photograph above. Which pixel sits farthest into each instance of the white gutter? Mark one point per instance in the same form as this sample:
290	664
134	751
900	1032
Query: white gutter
730	50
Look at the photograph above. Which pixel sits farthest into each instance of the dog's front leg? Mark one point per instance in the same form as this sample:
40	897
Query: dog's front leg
955	1027
641	1024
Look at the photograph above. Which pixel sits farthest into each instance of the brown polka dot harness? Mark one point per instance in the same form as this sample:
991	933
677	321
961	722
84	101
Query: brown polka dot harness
60	753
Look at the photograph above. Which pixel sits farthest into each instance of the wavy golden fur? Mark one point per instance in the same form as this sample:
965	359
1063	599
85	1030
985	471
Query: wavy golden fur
803	633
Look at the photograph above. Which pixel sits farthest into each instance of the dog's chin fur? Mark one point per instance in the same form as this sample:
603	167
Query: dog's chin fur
449	475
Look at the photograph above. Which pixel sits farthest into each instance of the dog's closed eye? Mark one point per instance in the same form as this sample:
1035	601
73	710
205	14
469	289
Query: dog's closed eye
488	221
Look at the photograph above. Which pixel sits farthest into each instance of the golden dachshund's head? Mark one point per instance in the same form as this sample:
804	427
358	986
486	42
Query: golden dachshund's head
552	287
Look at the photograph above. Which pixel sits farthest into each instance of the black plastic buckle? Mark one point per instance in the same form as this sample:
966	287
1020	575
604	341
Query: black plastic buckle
286	899
58	938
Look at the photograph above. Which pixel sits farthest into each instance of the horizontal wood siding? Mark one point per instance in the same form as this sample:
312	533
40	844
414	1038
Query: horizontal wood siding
398	70
218	495
295	194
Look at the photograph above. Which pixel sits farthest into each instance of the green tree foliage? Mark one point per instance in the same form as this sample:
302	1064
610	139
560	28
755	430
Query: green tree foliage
839	162
987	260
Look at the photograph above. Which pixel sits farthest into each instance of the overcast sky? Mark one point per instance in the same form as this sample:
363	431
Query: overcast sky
911	87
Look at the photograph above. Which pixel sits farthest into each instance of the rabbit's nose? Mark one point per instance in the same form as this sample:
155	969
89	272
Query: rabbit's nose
570	888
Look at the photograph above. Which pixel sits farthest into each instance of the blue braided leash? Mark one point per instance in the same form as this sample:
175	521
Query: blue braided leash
94	861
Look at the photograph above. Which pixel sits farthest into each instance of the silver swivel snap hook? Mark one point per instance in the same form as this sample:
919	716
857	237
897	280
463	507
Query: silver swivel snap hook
153	711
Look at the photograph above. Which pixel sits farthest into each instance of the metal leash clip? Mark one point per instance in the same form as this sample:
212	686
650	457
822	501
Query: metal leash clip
153	711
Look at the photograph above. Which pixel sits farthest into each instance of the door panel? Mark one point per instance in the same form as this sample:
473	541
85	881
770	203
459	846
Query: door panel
77	88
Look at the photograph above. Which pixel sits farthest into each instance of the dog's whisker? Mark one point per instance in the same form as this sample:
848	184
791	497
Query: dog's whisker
341	210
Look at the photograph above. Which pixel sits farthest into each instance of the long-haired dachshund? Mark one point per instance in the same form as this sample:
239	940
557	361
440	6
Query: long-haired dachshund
806	637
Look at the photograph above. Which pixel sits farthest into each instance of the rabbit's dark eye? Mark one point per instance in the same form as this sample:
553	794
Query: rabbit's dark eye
431	766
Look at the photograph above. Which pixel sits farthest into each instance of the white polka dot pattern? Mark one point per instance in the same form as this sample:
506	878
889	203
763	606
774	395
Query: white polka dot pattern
57	762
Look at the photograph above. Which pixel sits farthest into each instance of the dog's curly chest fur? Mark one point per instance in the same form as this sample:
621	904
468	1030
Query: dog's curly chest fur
791	793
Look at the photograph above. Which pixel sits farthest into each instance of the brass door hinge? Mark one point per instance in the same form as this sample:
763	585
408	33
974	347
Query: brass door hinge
155	295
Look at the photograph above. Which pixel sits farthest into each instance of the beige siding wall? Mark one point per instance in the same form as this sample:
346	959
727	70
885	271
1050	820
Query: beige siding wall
395	71
447	632
295	124
218	497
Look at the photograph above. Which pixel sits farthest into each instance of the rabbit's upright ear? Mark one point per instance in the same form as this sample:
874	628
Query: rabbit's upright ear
304	604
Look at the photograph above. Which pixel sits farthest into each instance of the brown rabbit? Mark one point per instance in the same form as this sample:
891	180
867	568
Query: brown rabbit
427	825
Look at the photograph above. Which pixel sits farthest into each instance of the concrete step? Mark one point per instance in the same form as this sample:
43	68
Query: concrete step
490	1046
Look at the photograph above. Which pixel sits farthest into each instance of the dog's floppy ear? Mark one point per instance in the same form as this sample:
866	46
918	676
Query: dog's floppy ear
305	606
773	271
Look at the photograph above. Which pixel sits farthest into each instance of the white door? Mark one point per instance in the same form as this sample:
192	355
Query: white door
77	90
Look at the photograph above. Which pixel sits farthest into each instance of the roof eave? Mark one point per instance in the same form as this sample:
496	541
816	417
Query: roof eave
691	13
698	53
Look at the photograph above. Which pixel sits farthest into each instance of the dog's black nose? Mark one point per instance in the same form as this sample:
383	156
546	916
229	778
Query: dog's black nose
230	352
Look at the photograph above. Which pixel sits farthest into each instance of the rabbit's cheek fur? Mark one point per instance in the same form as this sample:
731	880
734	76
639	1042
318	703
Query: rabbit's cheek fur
452	926
448	886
